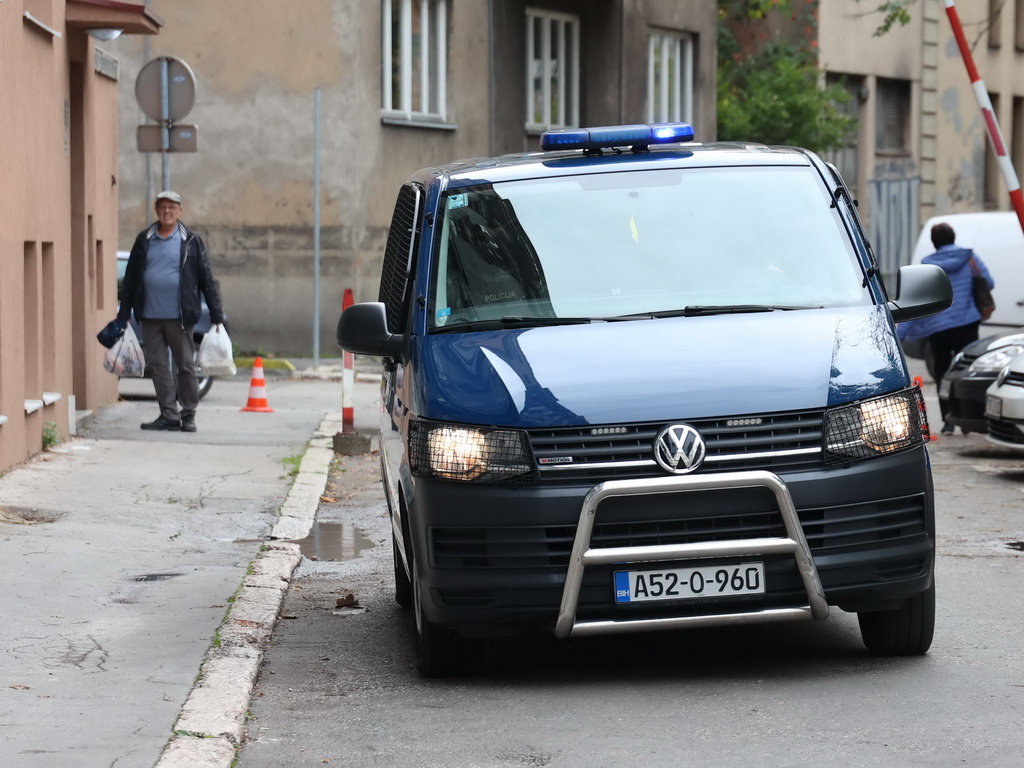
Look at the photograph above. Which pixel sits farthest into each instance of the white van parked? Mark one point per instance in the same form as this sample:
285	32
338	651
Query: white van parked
998	239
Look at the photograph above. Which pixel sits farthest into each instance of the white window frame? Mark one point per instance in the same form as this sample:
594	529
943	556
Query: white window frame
667	104
431	104
564	71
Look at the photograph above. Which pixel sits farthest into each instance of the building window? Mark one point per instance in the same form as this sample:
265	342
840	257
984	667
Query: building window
993	184
669	78
1017	136
892	117
1018	26
995	23
415	54
30	320
552	76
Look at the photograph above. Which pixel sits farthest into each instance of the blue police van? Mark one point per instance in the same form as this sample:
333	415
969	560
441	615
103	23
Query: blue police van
632	383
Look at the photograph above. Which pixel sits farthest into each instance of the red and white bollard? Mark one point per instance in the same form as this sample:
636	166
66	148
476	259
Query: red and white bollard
348	378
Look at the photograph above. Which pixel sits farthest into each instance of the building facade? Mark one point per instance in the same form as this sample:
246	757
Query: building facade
58	212
922	148
403	84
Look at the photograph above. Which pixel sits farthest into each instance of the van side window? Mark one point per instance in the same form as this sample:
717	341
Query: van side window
398	255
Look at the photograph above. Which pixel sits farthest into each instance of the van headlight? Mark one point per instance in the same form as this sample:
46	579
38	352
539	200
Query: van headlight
470	454
875	427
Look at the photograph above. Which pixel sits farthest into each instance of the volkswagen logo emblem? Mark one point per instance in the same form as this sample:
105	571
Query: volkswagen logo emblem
679	449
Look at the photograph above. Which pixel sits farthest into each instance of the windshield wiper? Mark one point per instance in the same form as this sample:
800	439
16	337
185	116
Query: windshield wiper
512	321
720	309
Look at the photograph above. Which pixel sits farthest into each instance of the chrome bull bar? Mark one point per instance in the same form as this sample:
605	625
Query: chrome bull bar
583	556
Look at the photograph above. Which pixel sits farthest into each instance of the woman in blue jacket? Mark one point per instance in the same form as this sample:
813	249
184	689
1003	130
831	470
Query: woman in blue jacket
956	327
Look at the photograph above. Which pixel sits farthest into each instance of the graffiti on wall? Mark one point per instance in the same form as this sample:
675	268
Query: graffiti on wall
895	192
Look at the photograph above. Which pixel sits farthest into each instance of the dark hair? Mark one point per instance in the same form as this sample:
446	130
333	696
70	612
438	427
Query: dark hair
943	234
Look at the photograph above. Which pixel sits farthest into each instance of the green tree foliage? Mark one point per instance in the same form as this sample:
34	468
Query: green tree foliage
771	92
774	97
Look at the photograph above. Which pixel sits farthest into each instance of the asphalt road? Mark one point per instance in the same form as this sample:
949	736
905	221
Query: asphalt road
339	687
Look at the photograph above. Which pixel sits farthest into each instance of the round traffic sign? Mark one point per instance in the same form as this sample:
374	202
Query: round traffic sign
181	88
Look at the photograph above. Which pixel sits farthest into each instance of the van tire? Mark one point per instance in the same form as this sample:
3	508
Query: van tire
440	652
903	631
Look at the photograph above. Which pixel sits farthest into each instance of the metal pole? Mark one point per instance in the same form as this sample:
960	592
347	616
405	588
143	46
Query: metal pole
316	228
985	104
149	156
165	123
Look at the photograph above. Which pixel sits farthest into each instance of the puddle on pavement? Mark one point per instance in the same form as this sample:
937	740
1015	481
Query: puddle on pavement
334	541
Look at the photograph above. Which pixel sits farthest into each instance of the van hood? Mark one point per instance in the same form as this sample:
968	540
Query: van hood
657	370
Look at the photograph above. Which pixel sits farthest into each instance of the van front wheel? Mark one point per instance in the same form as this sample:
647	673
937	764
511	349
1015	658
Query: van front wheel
439	651
904	631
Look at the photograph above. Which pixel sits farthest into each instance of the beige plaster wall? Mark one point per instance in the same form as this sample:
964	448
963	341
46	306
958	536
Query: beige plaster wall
46	143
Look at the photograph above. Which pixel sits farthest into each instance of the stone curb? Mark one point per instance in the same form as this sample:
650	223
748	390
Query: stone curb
269	364
211	725
195	752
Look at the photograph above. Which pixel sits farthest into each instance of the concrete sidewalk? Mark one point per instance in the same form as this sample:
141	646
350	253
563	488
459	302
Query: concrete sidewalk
141	577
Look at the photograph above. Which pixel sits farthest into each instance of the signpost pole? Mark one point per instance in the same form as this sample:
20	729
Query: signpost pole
316	228
165	125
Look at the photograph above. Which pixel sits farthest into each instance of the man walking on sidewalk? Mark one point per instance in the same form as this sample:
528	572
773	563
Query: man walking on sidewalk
167	270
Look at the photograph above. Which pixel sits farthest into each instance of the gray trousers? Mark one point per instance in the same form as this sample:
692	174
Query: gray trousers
163	340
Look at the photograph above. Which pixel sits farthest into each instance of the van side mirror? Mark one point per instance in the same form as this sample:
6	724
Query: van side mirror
921	290
363	330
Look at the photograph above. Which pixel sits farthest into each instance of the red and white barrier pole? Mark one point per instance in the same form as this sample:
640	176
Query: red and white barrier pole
981	94
348	377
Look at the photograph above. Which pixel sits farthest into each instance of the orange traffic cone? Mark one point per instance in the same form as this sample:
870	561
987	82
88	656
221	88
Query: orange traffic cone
258	390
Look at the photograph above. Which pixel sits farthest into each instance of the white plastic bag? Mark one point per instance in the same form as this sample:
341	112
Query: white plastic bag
125	358
216	356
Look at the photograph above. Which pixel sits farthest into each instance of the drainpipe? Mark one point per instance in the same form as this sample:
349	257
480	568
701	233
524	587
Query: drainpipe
492	106
622	62
149	167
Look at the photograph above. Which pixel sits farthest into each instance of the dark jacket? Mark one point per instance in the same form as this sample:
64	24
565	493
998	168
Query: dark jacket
196	277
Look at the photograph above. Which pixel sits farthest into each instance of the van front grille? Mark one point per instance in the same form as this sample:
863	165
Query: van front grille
775	442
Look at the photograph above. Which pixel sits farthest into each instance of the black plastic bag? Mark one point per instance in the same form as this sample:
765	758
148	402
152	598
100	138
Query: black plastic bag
113	331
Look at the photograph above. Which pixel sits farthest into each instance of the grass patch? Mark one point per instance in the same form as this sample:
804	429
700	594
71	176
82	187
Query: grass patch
52	436
291	464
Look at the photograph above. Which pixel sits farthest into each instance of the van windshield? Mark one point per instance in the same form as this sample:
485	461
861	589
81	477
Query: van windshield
632	243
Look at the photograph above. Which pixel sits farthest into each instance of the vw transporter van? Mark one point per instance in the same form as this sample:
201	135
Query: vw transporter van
635	383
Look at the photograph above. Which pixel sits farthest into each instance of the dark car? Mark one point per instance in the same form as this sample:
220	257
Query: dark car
972	372
201	329
636	383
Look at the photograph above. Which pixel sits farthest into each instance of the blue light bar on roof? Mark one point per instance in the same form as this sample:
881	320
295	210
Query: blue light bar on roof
635	136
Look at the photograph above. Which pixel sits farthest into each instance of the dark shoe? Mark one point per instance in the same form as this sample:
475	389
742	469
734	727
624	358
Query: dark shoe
188	423
165	424
948	429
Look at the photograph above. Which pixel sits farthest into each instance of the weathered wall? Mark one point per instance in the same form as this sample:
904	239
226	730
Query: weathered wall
889	184
962	134
249	189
